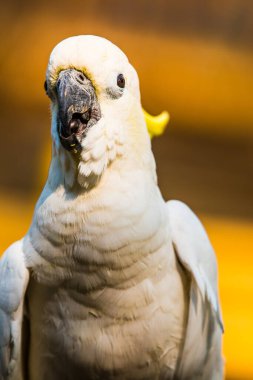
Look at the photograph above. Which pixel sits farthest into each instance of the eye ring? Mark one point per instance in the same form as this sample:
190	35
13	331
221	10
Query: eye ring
121	81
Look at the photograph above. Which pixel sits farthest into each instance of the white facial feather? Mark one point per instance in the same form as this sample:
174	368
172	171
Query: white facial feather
121	131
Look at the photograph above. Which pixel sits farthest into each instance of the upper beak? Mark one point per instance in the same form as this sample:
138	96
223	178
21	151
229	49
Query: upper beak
75	95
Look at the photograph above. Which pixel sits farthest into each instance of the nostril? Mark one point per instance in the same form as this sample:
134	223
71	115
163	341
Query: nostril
81	77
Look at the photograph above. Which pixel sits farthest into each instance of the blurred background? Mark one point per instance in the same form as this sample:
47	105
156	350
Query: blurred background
195	59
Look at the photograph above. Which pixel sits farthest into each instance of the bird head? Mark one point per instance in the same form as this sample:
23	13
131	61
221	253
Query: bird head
96	111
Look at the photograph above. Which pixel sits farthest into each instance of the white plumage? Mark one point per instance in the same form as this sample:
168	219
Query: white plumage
110	282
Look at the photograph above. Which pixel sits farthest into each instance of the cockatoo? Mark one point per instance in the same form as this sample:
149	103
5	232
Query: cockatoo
110	282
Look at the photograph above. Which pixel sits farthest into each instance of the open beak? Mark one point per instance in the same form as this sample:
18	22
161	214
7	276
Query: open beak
78	108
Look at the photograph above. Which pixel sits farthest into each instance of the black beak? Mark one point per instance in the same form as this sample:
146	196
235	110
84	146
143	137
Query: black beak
78	107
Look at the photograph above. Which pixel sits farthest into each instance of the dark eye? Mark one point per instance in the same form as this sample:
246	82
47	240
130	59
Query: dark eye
121	81
45	86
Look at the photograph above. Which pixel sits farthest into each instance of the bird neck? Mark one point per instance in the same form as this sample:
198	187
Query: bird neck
120	142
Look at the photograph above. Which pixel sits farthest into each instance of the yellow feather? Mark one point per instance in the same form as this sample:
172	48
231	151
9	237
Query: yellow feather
156	124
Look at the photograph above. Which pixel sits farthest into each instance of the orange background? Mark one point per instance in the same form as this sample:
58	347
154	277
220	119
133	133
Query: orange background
193	59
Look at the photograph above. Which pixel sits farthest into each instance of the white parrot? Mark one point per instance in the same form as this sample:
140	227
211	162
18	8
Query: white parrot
110	282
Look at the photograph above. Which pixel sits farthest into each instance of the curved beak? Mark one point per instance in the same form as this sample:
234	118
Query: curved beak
78	107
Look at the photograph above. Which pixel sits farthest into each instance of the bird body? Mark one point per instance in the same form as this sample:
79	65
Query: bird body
113	274
111	282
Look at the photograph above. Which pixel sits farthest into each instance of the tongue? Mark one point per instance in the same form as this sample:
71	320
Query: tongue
78	122
75	125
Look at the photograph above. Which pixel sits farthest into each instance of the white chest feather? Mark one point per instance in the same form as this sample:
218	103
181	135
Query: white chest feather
106	274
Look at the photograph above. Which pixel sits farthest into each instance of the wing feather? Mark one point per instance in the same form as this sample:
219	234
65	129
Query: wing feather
14	278
201	353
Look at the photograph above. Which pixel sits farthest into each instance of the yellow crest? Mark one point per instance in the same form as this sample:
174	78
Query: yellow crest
156	124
